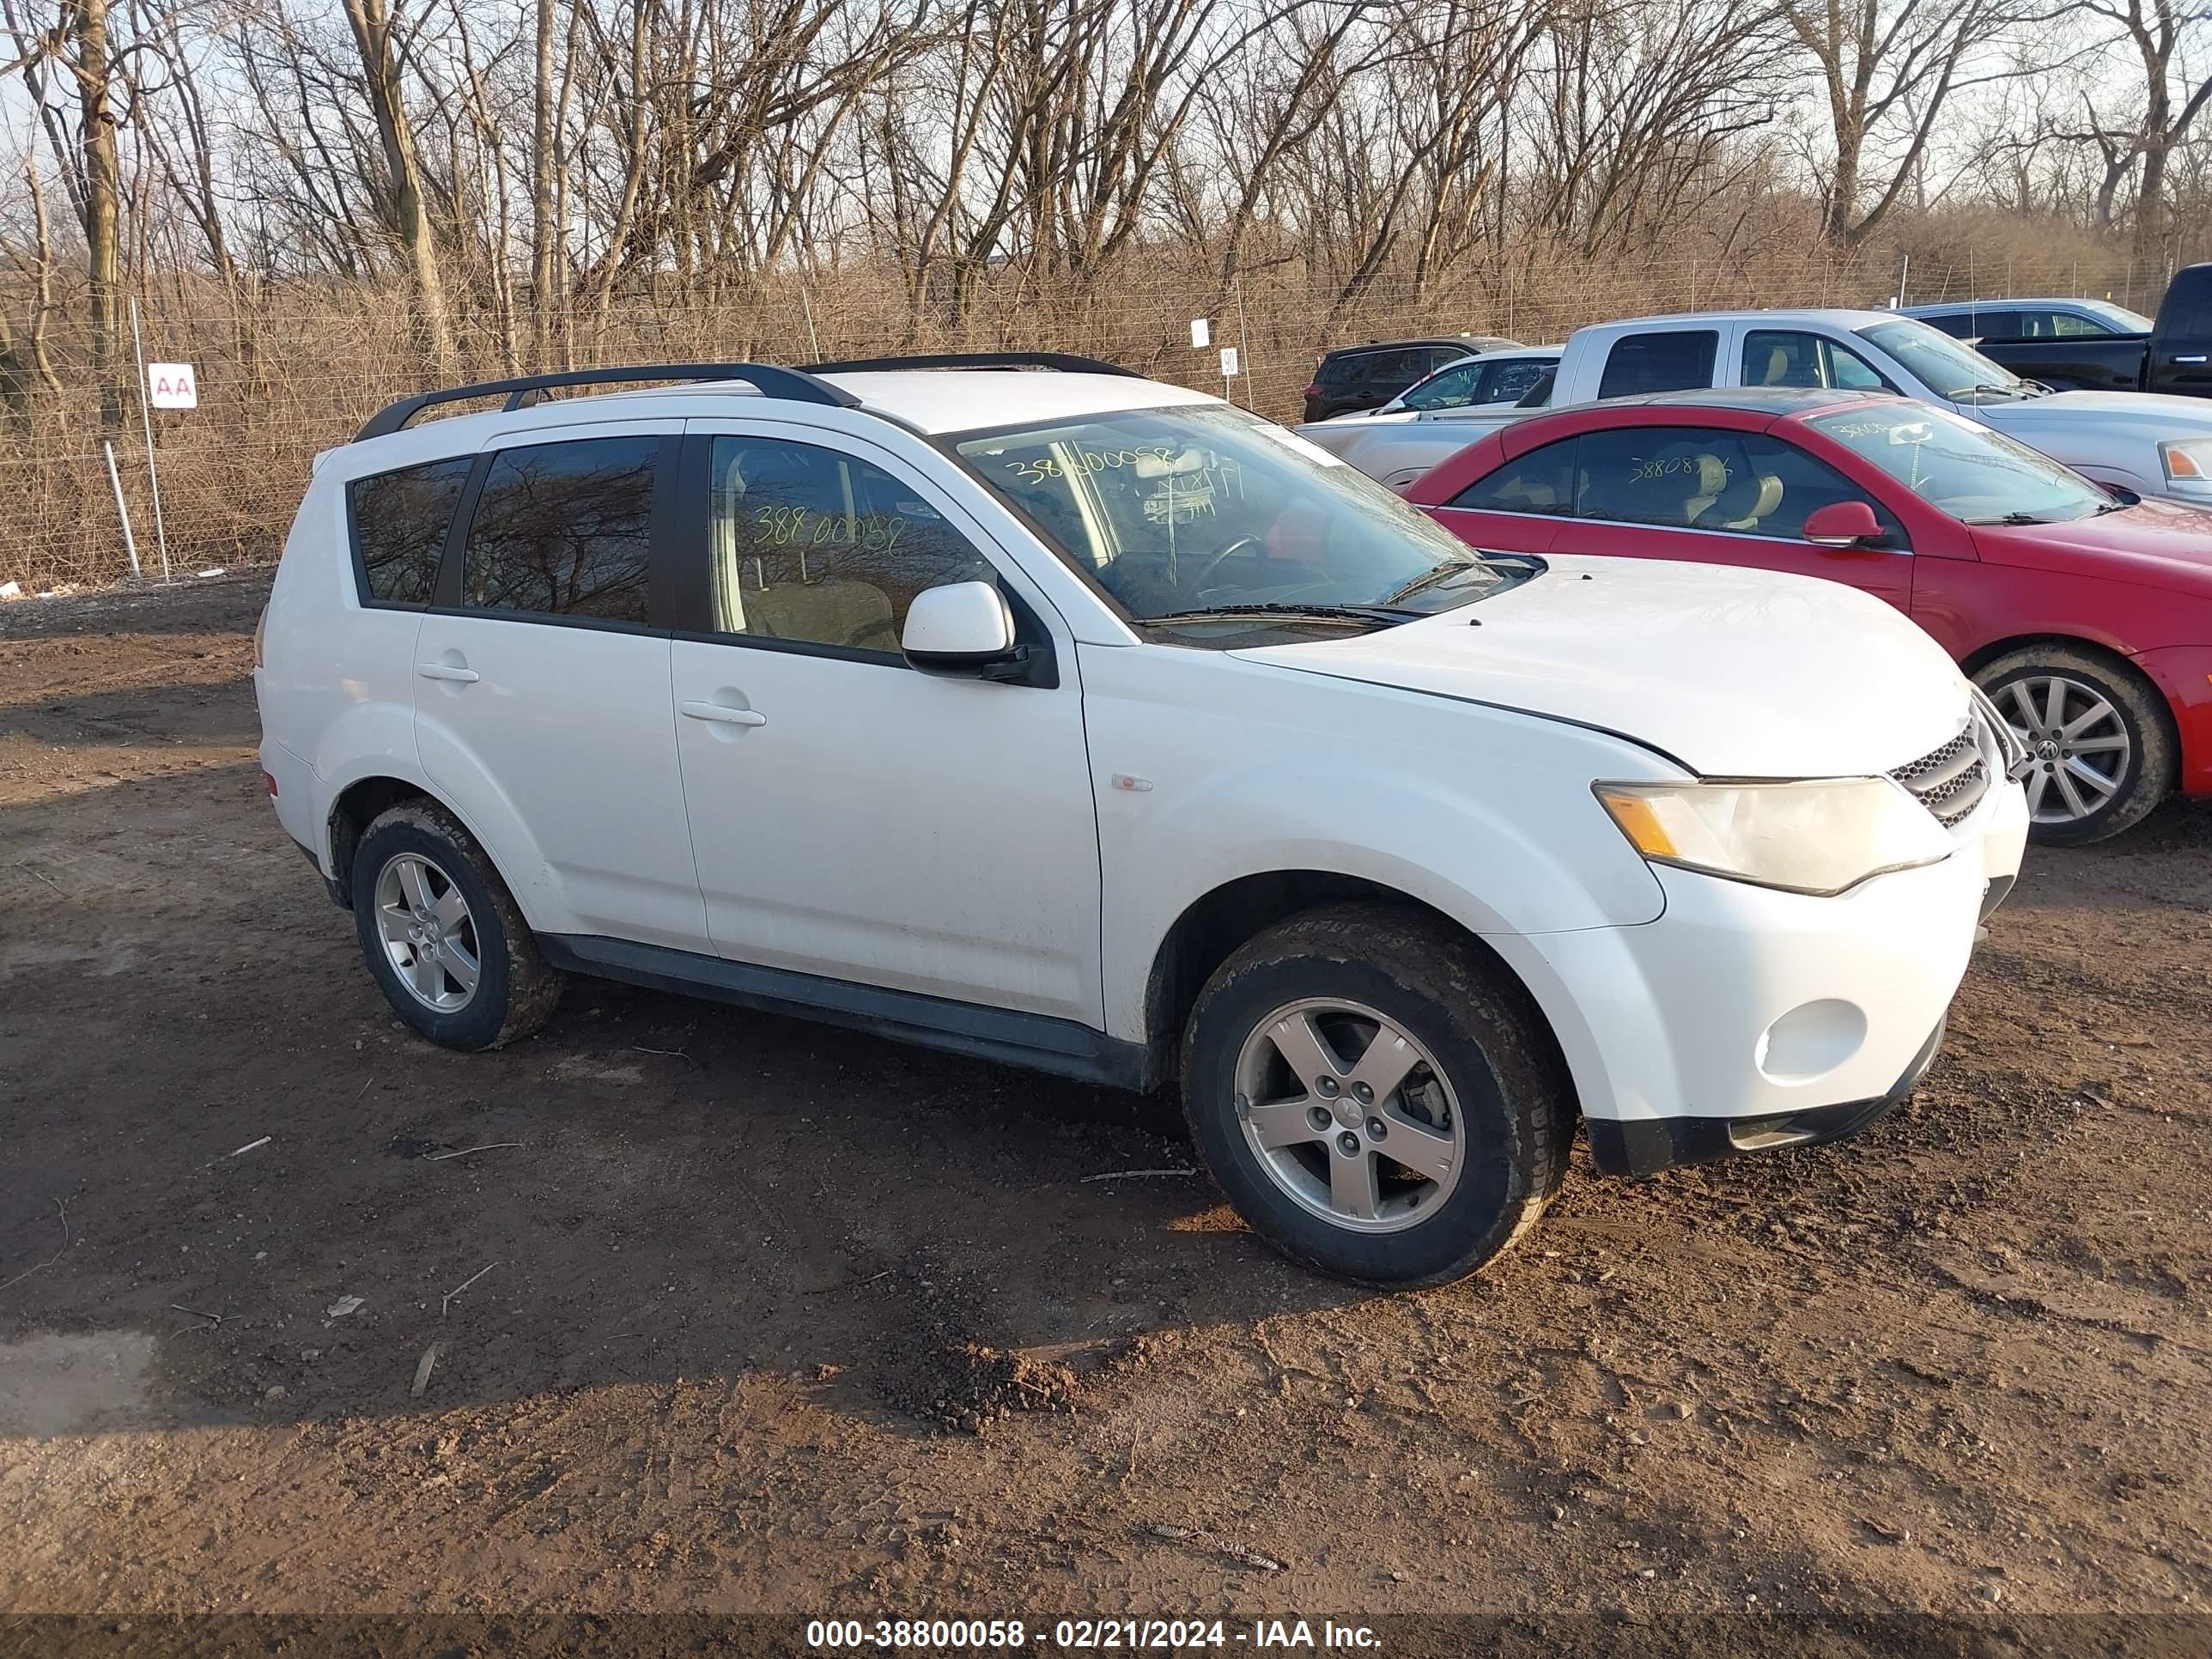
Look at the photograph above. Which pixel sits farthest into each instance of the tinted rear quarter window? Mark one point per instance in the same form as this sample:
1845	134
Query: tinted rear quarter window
400	523
1541	481
1679	360
564	530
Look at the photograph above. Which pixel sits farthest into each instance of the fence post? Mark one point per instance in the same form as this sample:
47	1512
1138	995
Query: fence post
115	483
152	474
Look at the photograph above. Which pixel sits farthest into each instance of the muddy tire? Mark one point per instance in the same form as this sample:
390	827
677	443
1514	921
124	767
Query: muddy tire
442	936
2098	734
1374	1098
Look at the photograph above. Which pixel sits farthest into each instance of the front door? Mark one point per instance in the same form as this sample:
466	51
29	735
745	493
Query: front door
541	702
854	818
1714	495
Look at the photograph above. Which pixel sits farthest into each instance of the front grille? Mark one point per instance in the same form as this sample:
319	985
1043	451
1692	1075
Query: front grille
1950	782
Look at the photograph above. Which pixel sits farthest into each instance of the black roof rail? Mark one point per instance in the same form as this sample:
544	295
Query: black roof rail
791	385
1065	363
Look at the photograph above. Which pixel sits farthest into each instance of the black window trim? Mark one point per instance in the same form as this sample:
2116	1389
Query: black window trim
690	586
446	601
362	591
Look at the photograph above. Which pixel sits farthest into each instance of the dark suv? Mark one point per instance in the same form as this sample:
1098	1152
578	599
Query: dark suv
1354	378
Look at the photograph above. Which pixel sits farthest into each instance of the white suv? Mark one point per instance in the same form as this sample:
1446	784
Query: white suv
1072	721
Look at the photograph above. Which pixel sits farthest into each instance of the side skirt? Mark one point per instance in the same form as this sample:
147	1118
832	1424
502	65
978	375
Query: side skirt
1036	1042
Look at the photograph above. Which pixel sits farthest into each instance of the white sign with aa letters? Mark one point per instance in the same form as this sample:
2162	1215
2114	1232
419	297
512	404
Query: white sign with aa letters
1201	333
171	386
1228	361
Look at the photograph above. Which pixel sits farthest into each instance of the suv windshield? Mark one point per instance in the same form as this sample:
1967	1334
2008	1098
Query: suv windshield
1965	470
1950	368
1197	515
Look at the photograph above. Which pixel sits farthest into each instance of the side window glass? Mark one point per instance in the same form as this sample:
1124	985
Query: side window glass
1454	388
822	548
1541	481
2067	326
1780	485
1958	325
1993	326
1675	361
1507	383
564	530
1679	476
1781	357
1847	369
400	523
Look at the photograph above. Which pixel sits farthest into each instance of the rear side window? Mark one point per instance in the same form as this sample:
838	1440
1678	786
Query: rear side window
1507	383
564	530
1676	361
399	524
1542	482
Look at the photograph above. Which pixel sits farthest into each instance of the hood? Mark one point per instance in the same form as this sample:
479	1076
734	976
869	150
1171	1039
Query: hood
1736	673
2157	413
2154	543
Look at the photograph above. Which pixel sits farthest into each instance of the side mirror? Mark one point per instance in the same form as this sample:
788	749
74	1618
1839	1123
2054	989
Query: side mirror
1845	524
961	628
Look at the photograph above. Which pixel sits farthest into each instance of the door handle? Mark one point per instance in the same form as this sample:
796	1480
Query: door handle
721	712
445	671
2194	357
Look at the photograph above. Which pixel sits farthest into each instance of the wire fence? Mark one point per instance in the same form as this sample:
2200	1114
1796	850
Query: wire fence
284	374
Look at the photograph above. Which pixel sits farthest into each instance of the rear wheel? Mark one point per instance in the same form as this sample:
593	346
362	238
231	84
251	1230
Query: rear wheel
1371	1099
2101	753
442	936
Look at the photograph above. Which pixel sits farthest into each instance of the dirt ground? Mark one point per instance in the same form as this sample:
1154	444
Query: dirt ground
733	1314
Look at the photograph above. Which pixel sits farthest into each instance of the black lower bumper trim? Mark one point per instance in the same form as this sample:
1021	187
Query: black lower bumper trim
1644	1146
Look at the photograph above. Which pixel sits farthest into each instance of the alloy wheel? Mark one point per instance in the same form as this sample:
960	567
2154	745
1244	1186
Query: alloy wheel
2078	745
429	935
1350	1114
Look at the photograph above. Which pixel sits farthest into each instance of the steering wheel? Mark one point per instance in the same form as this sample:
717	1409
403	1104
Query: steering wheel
1195	582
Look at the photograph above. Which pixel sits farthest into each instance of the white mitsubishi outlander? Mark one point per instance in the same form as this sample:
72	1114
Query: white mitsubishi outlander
1025	707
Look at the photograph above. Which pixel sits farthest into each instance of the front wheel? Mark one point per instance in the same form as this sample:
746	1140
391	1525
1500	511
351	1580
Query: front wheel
2100	752
1373	1100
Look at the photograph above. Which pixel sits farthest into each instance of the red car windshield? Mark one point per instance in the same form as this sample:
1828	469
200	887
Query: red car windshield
1967	471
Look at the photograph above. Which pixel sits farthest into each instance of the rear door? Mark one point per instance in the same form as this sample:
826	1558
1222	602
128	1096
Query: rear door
542	708
2181	345
1717	495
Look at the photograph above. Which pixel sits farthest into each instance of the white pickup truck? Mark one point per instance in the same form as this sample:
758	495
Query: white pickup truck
2149	444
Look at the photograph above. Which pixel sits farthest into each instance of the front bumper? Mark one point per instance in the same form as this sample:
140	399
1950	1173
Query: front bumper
1645	1147
1744	1019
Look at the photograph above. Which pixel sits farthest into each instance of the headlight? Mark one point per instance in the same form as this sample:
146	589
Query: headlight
1821	837
2187	460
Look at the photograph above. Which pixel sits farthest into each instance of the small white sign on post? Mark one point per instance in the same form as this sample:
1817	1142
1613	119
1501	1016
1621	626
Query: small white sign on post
1201	334
171	386
1228	362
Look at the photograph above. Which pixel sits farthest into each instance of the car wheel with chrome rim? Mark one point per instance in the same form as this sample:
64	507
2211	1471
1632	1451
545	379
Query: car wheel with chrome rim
2100	749
443	938
1376	1098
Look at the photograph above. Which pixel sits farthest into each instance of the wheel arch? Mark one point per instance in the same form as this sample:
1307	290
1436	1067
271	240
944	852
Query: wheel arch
2110	655
1213	925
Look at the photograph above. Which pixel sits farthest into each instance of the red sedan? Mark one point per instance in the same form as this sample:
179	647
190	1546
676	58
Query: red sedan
2085	613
